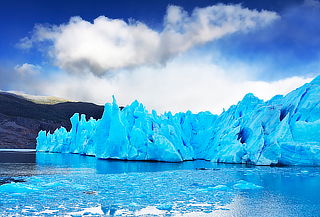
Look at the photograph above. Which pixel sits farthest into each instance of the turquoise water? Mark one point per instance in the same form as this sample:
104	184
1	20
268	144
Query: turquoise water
74	185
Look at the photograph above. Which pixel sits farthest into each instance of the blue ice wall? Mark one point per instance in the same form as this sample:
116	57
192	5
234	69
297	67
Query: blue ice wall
283	130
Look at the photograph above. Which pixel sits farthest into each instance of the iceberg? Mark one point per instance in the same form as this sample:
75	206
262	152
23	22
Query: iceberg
282	131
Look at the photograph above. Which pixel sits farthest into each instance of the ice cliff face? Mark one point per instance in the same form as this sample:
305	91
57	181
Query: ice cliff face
283	130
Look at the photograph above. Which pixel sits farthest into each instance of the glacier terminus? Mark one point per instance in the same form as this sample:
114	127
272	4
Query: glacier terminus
282	131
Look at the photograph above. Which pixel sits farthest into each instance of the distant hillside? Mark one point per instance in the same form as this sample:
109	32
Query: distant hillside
21	118
37	99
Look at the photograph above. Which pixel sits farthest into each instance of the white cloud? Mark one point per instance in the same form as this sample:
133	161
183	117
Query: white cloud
108	44
27	69
181	85
152	66
24	43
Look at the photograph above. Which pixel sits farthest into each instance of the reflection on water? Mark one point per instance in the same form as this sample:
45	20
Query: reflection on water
119	166
17	157
67	184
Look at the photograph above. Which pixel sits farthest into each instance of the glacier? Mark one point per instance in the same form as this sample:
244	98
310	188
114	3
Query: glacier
284	130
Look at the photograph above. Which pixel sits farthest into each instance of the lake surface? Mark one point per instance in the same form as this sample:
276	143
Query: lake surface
47	184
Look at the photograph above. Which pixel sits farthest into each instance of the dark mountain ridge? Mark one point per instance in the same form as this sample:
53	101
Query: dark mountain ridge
21	119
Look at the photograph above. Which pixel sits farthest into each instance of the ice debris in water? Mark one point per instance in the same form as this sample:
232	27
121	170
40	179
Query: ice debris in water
244	185
281	131
18	188
219	187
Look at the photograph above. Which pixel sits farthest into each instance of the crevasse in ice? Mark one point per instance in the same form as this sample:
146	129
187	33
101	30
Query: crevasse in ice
283	130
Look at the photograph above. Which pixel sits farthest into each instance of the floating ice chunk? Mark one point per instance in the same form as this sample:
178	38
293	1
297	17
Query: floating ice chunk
48	211
219	187
18	188
244	185
149	210
88	211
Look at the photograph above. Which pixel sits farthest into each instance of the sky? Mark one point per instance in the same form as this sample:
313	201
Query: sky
177	55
